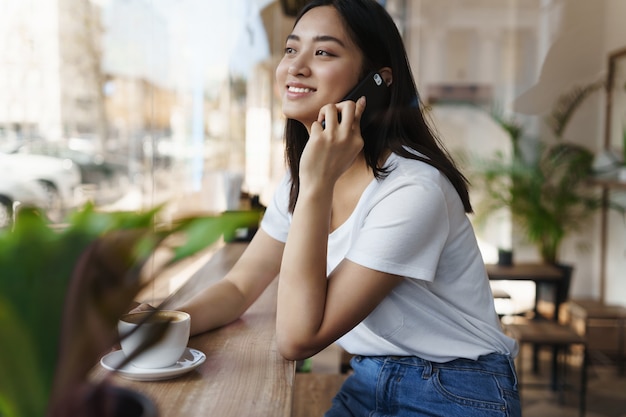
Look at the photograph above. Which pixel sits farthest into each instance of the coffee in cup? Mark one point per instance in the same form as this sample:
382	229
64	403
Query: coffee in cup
167	350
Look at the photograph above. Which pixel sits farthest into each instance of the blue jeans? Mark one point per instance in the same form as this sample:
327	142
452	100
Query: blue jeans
384	386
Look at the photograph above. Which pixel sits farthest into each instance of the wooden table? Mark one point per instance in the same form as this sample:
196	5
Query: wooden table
243	375
539	273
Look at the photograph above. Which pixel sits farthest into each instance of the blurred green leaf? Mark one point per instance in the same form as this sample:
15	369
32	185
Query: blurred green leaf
22	393
88	272
201	230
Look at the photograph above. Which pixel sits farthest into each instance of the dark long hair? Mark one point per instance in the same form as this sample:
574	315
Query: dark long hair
402	128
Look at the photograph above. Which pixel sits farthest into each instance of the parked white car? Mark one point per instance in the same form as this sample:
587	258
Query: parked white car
60	179
17	192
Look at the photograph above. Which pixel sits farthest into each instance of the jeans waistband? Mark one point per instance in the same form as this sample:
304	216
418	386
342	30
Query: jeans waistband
493	362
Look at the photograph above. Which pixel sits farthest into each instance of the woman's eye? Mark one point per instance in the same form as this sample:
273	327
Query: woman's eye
321	52
289	50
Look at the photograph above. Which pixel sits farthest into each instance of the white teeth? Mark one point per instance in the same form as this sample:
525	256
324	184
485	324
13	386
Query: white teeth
299	90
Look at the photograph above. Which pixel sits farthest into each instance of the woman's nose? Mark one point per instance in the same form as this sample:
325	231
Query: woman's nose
299	67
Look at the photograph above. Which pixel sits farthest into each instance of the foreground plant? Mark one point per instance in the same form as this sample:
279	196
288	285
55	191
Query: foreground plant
63	291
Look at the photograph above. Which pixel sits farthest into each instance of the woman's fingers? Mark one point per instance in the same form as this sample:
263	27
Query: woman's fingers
342	114
329	116
331	150
361	103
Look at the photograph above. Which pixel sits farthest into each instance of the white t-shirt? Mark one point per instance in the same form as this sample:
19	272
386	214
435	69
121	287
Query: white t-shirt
412	223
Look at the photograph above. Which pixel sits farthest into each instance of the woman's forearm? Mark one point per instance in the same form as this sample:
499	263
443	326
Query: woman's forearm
218	305
303	283
226	300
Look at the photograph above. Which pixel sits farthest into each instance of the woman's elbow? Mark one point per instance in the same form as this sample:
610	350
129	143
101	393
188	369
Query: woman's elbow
293	350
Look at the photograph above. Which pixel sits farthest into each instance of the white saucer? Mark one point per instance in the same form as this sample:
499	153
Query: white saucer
190	360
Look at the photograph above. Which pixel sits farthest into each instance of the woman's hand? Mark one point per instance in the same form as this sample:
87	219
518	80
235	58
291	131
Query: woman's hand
330	151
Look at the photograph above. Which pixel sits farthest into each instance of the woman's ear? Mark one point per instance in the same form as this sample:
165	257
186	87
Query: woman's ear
387	75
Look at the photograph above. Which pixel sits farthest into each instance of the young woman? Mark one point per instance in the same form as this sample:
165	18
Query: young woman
369	234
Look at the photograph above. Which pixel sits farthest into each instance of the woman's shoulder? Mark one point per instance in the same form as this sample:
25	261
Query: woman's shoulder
402	168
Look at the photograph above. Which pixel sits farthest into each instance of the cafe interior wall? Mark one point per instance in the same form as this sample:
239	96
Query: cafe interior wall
570	40
590	31
615	38
494	48
575	58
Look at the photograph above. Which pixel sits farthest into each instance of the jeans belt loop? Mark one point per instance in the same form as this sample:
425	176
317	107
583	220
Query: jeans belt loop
428	369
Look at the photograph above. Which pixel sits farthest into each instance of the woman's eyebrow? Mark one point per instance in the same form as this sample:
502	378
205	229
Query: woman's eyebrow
319	38
327	38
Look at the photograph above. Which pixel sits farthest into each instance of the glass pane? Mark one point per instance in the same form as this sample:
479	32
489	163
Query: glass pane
175	101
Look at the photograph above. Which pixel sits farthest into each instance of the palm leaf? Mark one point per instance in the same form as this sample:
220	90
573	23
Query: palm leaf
566	106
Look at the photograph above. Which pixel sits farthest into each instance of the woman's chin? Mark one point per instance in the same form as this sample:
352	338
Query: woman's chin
307	121
303	117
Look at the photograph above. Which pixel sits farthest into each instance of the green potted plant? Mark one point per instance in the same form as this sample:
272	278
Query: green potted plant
547	193
62	291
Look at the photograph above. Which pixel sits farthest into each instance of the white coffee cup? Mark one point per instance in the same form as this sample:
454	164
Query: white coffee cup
167	350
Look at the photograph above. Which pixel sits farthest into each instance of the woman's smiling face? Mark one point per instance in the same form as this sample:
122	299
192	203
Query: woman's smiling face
320	66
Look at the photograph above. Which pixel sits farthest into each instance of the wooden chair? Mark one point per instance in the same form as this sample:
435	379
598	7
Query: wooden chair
561	338
603	324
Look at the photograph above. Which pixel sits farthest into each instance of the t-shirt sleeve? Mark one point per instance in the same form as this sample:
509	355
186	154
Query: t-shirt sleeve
276	219
404	231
